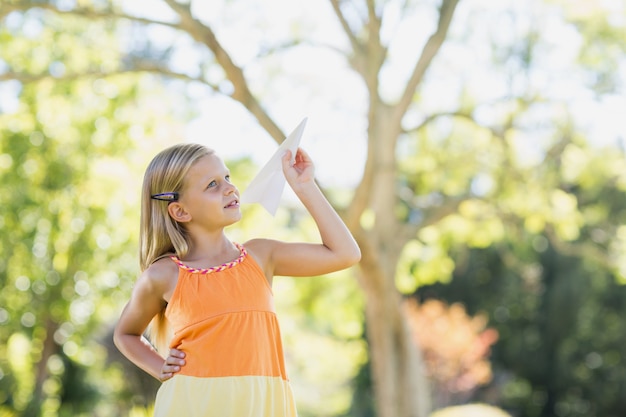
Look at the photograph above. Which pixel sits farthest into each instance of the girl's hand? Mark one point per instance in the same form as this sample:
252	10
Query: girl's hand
302	171
172	364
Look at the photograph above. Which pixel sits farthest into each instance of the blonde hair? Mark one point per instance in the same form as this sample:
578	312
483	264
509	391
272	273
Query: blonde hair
159	234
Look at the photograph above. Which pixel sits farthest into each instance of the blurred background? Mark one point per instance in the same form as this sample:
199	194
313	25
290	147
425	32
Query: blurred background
475	149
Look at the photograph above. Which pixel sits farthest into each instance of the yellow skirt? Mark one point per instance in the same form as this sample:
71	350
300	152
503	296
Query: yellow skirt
239	396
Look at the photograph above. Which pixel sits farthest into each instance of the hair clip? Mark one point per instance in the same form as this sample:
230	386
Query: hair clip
173	196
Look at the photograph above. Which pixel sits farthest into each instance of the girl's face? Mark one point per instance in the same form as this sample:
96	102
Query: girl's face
208	195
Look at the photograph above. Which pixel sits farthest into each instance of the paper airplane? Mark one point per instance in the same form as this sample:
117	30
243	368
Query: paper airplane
267	187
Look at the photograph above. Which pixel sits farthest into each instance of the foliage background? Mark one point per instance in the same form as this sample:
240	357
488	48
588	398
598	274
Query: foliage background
519	122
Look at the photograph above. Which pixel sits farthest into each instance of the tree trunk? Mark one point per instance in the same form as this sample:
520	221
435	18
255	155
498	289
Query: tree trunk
400	385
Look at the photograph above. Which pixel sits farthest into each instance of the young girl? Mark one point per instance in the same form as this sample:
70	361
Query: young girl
226	356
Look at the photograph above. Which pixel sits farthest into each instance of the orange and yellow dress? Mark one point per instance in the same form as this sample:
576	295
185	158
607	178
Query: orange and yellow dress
224	320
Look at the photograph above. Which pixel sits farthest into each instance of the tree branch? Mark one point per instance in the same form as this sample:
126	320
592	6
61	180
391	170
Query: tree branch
204	35
362	195
188	24
140	68
428	53
373	20
82	12
356	45
432	216
435	116
375	47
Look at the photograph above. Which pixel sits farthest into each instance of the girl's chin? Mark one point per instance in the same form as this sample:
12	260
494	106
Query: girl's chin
235	216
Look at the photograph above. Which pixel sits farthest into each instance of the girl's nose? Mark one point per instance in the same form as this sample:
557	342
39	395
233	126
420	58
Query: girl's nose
230	189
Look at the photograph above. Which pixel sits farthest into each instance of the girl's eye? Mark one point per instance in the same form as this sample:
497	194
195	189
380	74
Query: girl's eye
228	178
212	184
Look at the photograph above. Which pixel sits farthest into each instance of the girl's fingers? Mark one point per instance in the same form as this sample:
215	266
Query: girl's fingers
171	361
177	353
172	364
168	371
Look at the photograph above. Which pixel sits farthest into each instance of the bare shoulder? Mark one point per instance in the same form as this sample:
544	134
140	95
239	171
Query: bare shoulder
261	249
150	295
160	278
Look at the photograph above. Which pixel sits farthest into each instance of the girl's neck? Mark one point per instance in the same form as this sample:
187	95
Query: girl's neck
210	248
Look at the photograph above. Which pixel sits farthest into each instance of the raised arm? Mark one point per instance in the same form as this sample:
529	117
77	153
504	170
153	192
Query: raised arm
338	249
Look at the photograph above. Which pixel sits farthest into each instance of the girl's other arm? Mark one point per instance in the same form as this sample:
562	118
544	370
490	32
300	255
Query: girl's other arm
146	302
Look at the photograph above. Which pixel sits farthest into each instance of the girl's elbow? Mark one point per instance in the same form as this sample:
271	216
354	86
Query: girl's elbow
357	257
120	338
353	257
117	338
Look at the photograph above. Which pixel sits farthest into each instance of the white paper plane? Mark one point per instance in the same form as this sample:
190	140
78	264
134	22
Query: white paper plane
267	187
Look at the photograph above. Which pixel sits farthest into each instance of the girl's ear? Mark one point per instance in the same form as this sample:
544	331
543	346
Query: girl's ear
178	213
